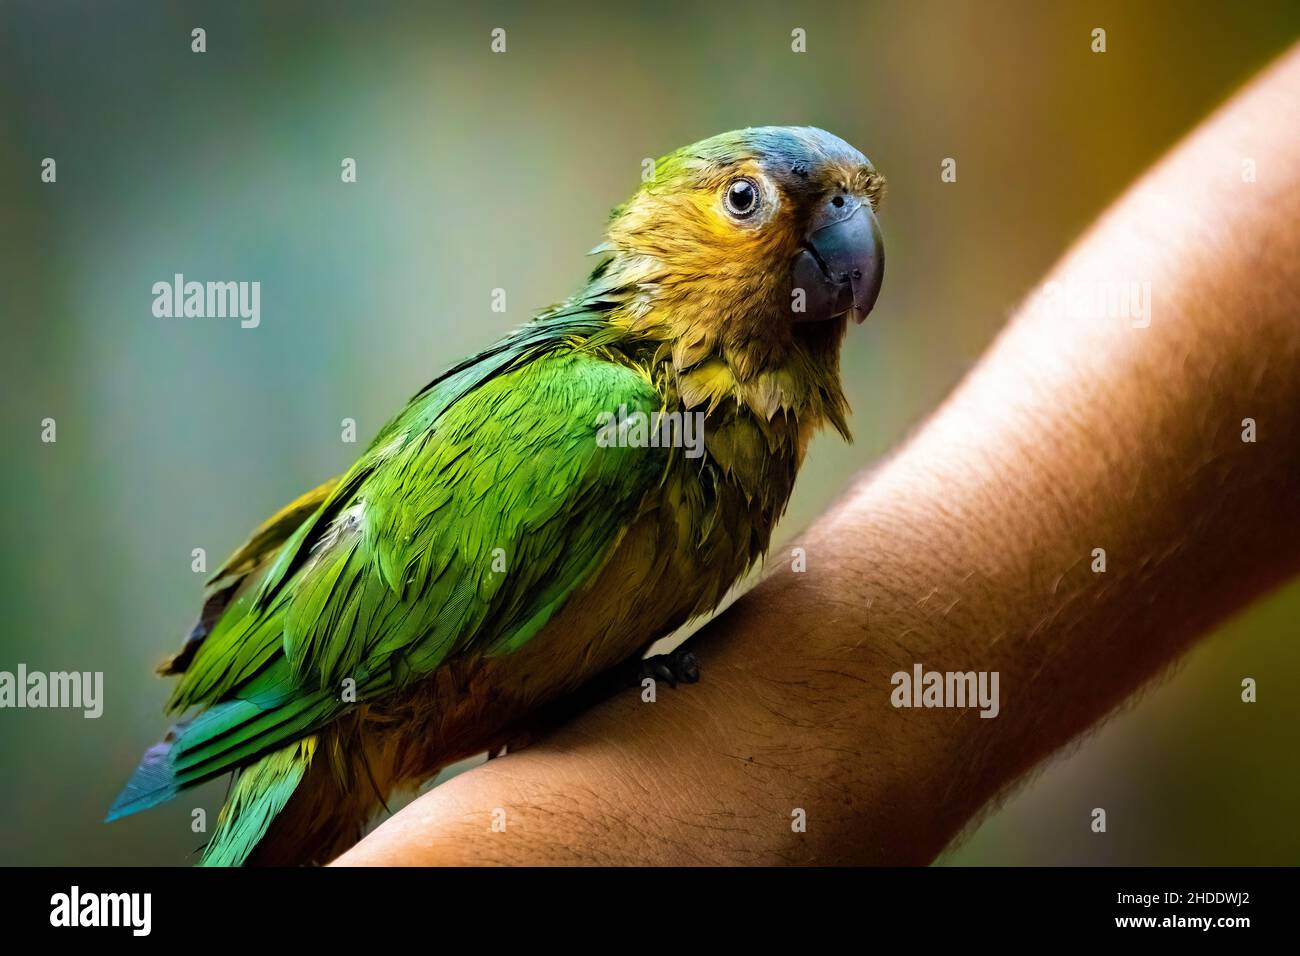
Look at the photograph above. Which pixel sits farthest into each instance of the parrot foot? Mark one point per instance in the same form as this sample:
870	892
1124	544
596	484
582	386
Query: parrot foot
678	666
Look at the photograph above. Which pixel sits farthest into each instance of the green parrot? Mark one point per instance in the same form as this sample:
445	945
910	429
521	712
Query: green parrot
500	543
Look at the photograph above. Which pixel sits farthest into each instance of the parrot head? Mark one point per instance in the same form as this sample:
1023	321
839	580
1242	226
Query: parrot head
767	228
751	249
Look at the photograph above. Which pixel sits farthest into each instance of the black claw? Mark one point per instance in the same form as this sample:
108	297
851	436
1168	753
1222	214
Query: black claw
679	666
688	668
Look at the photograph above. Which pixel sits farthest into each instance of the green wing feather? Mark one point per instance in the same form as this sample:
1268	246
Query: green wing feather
243	567
399	567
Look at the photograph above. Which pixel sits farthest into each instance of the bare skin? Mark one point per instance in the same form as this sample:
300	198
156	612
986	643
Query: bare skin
972	548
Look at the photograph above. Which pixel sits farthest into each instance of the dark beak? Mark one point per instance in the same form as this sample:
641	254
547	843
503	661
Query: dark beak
841	263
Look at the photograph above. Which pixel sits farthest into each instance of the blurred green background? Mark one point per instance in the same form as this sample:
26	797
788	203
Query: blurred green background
477	171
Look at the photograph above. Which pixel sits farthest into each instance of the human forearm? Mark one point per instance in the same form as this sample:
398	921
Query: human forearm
971	549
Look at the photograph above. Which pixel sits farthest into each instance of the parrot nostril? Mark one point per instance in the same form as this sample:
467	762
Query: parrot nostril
837	202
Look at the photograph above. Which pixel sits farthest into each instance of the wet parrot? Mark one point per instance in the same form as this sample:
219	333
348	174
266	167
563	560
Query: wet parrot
536	515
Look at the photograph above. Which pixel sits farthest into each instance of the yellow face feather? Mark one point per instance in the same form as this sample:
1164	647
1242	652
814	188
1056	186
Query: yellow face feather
702	256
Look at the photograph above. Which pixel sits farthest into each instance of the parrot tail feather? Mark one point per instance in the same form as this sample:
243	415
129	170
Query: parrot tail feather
259	795
154	780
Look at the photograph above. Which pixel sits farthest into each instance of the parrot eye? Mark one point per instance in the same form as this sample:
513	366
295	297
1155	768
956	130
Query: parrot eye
741	198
